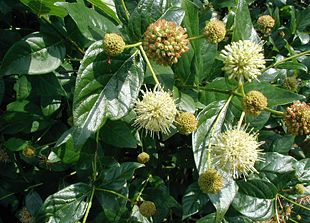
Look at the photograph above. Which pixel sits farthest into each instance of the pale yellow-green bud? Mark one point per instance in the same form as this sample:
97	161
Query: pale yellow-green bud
147	208
113	44
291	83
265	23
186	122
211	181
29	151
300	189
143	157
254	102
215	31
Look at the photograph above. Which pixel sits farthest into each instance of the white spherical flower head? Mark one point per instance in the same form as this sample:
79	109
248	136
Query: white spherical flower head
156	111
243	60
236	151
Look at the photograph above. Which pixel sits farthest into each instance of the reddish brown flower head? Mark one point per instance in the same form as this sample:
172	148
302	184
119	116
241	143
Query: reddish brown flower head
297	118
165	42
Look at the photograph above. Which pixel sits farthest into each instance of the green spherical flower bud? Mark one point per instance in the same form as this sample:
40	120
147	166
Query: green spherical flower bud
300	189
254	102
265	23
147	208
143	157
186	123
291	83
165	42
215	31
298	217
297	118
113	44
211	181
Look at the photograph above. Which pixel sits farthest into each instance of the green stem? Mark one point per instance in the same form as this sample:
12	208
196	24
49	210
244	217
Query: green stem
6	196
213	129
28	188
240	120
293	202
276	209
115	193
149	65
196	37
274	111
89	204
214	90
292	220
286	59
125	9
144	186
133	45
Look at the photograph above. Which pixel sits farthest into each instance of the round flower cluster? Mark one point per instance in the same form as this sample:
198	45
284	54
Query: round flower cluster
211	181
215	31
165	42
113	44
147	208
236	151
243	60
254	102
300	189
156	111
297	118
186	123
291	83
143	157
265	23
25	216
29	151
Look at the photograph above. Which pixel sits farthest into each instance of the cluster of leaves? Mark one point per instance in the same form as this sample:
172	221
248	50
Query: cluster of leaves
54	70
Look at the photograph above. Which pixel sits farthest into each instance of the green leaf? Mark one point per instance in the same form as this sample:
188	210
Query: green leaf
201	137
91	24
36	53
15	144
146	12
105	8
276	163
258	188
303	170
65	206
252	207
243	28
193	200
118	134
223	199
293	65
45	7
104	90
22	88
174	14
303	20
210	218
276	96
2	89
33	202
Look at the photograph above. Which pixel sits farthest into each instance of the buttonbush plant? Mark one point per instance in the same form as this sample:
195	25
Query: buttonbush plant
154	111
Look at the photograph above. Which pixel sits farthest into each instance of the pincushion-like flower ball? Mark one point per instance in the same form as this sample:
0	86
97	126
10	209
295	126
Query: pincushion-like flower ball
165	42
186	123
113	44
156	111
254	103
243	60
215	31
265	23
211	181
143	157
147	208
297	118
235	152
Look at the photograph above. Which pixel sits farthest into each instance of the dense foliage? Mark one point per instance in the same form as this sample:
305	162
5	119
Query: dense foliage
154	111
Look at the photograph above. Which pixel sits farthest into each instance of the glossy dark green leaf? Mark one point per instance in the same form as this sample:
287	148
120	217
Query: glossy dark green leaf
223	199
258	122
104	90
293	66
33	202
105	8
258	188
243	28
303	170
210	218
276	163
65	206
252	207
118	134
207	129
91	24
303	20
36	53
125	8
146	12
276	96
45	7
15	144
193	200
174	14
